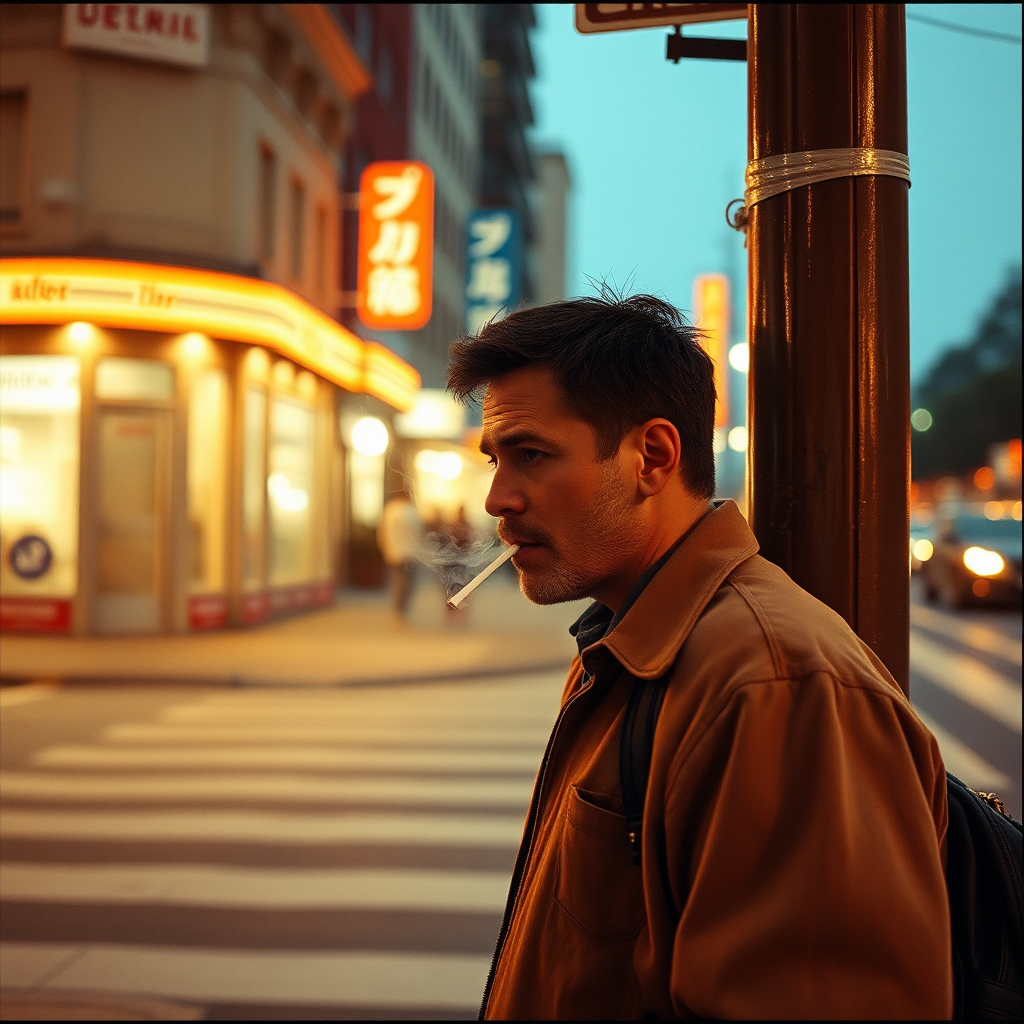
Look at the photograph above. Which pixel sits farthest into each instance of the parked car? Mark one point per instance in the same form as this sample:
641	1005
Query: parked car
974	559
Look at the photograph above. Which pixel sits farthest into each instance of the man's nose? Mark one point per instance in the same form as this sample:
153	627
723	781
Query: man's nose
504	498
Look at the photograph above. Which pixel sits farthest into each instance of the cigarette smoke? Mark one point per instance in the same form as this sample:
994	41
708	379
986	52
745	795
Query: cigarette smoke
456	566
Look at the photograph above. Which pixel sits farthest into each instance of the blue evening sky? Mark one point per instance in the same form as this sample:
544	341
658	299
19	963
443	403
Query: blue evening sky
656	151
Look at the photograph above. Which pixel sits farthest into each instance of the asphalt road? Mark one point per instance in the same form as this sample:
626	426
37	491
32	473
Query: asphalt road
267	853
965	682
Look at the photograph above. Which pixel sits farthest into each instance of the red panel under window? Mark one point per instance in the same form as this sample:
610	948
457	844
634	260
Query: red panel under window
35	615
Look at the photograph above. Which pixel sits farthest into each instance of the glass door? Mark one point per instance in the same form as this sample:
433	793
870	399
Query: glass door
134	490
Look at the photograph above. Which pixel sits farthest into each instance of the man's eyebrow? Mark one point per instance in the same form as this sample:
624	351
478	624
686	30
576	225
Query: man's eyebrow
512	439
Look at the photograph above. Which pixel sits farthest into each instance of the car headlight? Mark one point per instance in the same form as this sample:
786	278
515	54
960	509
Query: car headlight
983	562
923	549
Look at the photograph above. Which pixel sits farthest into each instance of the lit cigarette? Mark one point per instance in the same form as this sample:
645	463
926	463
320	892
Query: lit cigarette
468	589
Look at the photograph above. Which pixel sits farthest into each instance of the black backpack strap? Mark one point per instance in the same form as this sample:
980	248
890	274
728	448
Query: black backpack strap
636	745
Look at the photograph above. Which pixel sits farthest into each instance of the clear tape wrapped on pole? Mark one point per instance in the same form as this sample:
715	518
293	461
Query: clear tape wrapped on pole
772	175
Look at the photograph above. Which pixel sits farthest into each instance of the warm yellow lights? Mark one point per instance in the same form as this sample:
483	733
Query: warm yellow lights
390	378
284	374
1017	511
738	439
81	333
369	436
923	549
446	465
305	384
257	363
173	300
983	562
194	345
994	510
284	496
985	478
739	357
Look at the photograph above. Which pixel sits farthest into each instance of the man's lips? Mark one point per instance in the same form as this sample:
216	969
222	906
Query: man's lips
527	553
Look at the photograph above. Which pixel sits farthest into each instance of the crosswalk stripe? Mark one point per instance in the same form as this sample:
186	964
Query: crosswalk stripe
12	696
461	792
296	757
455	718
398	980
418	735
964	763
477	830
257	888
968	679
973	634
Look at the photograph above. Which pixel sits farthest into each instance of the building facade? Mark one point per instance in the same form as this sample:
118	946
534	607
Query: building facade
424	105
178	402
508	166
552	204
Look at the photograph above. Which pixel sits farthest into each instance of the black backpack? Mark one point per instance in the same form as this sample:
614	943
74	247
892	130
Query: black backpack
983	871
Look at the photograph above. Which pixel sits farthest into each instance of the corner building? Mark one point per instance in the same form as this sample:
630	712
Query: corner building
172	382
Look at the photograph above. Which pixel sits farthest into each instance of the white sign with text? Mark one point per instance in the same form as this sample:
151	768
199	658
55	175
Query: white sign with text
172	33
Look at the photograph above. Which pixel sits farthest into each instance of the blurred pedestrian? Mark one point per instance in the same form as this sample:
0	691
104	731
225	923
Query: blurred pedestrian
400	538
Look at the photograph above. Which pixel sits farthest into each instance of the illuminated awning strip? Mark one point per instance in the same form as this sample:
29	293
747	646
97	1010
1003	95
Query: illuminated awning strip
390	378
141	296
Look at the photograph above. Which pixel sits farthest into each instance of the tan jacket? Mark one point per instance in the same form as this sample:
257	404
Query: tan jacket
796	807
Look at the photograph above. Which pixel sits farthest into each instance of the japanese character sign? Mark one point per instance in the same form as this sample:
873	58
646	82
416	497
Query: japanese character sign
396	242
493	266
711	317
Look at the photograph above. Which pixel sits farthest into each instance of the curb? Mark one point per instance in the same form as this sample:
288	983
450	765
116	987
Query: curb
241	682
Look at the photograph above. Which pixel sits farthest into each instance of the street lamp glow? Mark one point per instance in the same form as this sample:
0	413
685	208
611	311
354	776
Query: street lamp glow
369	436
738	439
921	420
739	357
923	549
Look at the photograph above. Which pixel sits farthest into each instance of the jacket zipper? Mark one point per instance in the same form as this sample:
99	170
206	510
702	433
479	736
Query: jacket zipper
521	865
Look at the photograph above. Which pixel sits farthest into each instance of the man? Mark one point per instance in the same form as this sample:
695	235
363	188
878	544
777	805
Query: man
400	538
791	859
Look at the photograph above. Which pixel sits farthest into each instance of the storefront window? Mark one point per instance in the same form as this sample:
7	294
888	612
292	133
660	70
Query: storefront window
290	489
207	479
254	477
39	406
142	380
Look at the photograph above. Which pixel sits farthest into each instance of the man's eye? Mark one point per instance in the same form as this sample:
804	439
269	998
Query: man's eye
531	454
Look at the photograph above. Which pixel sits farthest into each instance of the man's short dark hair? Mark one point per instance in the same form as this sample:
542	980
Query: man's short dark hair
619	363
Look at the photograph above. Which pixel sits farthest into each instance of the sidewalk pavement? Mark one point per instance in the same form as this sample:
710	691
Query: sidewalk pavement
354	642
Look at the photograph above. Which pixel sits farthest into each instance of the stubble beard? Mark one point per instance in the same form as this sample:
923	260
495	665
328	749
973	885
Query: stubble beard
590	552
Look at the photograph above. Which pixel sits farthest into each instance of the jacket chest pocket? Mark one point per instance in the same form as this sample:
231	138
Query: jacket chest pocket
597	884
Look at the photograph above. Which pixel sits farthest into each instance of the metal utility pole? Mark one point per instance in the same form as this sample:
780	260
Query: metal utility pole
829	317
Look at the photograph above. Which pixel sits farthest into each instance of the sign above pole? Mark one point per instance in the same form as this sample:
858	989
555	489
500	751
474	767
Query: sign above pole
617	17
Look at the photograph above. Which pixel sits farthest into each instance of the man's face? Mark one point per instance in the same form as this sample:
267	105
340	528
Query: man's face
573	514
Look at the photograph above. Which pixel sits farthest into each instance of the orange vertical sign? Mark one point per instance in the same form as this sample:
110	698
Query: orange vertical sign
396	245
711	312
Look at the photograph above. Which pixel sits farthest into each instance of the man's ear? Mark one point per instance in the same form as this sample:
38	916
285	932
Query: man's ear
658	445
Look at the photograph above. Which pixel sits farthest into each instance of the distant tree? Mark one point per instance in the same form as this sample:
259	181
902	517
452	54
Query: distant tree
973	392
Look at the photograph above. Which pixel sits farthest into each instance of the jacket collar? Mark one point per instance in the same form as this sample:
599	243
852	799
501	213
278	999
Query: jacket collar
650	634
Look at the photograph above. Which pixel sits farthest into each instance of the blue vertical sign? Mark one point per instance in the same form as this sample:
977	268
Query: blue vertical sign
494	266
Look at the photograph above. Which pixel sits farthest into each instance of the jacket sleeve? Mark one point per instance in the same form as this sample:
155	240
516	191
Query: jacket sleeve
803	834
